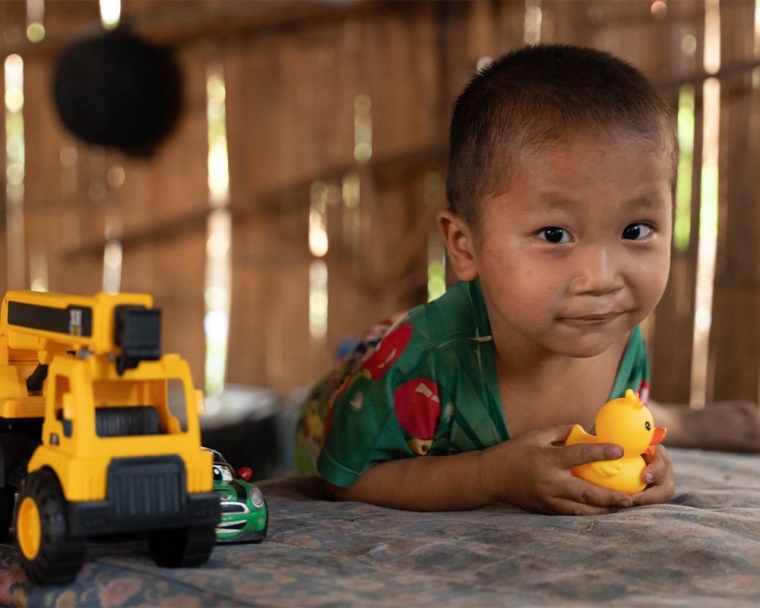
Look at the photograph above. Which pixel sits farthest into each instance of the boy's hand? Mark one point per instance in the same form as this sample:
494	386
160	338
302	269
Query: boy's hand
532	472
658	475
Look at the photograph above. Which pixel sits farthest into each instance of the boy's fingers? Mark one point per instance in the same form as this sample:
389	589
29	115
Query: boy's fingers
563	506
592	495
662	489
555	435
655	494
582	453
657	466
658	455
655	470
588	499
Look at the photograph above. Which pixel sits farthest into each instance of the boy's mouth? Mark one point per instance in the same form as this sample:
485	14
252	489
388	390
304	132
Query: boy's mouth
590	319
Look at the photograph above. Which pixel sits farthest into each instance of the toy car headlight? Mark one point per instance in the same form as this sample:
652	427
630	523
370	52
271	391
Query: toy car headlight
257	498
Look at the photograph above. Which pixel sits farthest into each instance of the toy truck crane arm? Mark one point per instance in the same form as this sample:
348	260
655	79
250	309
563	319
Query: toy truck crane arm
124	326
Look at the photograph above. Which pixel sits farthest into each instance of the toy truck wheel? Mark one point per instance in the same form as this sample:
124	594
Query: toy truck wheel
48	554
182	547
7	504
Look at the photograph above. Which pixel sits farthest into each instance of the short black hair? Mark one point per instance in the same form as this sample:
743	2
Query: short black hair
533	96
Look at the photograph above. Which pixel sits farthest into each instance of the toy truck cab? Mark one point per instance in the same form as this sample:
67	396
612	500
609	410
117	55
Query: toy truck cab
120	439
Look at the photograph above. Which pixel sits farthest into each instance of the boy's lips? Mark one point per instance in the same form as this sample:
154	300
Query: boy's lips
590	319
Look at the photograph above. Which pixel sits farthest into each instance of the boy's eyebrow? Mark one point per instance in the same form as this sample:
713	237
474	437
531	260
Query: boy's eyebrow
551	201
651	201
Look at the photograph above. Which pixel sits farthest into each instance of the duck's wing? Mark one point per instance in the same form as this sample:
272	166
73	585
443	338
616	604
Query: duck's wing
606	468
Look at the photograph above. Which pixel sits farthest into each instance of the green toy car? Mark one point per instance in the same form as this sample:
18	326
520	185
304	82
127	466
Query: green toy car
244	510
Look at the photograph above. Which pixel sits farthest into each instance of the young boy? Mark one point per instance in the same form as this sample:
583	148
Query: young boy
561	180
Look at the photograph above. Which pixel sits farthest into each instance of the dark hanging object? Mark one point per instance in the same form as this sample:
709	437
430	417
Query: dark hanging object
119	91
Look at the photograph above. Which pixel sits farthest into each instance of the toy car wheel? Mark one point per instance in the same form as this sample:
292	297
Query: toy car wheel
181	547
7	504
48	553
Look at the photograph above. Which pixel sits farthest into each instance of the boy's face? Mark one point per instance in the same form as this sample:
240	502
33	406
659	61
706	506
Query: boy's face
576	251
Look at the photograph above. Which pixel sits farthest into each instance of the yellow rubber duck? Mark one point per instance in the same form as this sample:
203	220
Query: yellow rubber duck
628	423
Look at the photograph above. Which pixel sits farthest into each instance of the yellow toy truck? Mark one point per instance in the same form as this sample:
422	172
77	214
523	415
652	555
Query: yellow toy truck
99	434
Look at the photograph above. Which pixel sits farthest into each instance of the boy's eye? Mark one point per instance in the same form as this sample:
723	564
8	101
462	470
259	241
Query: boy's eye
554	235
637	231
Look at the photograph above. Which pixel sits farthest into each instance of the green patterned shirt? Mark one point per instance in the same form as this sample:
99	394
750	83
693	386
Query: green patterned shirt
423	383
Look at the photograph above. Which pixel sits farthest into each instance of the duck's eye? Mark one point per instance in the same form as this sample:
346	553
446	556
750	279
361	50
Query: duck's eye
648	425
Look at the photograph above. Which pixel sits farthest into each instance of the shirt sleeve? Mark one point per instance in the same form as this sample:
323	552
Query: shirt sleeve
387	408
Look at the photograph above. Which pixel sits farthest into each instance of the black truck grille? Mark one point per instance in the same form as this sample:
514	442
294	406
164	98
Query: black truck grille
153	486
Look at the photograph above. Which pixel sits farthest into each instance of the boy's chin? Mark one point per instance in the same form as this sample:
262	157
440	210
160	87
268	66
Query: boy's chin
585	347
584	342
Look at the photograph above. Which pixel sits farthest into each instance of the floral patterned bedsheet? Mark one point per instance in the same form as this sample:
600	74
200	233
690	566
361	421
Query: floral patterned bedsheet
703	548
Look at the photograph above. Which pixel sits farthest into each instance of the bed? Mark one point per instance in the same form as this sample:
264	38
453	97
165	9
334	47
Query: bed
702	548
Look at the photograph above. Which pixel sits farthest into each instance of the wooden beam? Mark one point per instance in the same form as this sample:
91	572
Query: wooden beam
739	68
187	22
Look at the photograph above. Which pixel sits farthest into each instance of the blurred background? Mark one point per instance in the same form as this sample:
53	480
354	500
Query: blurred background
269	171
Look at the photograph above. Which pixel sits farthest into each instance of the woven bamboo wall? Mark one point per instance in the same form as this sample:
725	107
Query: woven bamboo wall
293	73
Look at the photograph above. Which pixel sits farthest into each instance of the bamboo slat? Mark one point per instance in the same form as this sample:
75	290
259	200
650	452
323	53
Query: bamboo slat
735	339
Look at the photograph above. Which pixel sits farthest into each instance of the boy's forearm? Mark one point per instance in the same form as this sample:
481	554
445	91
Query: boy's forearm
428	483
732	426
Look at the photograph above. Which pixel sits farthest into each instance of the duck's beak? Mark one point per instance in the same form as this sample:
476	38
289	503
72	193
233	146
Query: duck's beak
657	437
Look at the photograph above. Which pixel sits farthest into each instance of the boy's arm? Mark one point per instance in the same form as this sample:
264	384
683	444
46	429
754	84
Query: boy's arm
531	472
428	483
732	426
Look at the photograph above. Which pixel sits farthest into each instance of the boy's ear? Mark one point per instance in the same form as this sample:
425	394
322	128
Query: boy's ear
457	235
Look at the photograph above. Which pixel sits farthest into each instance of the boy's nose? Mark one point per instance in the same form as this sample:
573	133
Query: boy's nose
597	273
